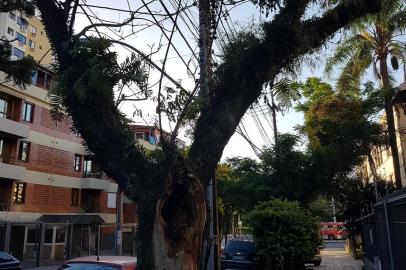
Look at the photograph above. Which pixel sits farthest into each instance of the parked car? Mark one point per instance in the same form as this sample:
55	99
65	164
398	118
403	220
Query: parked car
101	263
9	262
316	260
239	254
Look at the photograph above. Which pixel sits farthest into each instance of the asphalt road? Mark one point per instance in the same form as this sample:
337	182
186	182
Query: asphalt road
334	244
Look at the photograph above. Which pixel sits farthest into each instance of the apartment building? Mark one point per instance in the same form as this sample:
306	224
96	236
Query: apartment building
382	155
54	198
28	36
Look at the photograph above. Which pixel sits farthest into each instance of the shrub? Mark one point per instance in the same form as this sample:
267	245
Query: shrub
286	236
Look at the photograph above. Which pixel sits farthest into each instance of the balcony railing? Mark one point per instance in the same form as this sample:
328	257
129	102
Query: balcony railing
89	209
5	206
92	174
4	115
7	159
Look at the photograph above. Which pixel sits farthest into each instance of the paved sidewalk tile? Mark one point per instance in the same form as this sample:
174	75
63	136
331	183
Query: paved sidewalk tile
338	259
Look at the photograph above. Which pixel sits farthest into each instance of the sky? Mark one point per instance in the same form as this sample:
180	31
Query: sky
147	39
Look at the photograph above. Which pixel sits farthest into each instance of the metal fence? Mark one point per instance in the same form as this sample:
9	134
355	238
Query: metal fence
39	243
384	234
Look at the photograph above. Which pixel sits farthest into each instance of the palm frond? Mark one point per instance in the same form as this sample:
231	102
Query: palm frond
286	92
397	22
342	55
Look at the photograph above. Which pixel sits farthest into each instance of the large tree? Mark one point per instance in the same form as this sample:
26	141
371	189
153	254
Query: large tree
169	188
374	40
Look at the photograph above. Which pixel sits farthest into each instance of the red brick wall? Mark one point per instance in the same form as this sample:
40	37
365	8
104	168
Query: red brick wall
42	159
103	204
42	122
46	199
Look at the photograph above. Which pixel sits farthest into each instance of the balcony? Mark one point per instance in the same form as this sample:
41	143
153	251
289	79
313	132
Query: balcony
90	201
10	171
13	128
5	206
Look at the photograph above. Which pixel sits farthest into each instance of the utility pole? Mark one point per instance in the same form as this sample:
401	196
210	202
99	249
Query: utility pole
119	223
206	19
334	209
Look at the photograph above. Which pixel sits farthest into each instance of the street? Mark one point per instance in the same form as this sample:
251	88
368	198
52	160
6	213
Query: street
336	258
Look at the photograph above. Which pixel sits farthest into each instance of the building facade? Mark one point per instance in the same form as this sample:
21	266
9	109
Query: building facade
54	198
382	155
28	35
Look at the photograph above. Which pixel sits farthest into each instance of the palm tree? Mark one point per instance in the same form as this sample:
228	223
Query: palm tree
373	41
282	95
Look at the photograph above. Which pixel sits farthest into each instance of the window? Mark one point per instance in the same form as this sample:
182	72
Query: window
22	22
18	53
24	151
75	197
19	193
42	32
32	235
31	44
40	47
12	16
60	235
33	30
77	163
21	39
28	112
87	165
140	135
10	31
49	235
43	79
3	107
111	200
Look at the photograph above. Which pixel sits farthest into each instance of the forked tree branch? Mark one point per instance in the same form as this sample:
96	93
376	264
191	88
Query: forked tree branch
286	39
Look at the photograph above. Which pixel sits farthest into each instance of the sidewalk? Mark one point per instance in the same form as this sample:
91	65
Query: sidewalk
338	259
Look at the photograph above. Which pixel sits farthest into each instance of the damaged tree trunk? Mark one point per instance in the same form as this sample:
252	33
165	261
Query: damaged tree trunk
171	235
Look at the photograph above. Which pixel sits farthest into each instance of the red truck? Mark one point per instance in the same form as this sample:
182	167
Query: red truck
332	230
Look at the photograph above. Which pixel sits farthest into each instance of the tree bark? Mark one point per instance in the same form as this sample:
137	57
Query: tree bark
374	173
178	226
389	115
275	127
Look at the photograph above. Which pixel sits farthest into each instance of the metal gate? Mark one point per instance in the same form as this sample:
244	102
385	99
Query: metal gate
3	228
17	238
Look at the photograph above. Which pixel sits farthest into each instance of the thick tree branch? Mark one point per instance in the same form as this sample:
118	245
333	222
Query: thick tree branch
115	147
250	62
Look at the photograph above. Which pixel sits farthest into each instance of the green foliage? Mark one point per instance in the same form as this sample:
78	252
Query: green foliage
355	196
340	126
322	208
25	6
285	234
18	71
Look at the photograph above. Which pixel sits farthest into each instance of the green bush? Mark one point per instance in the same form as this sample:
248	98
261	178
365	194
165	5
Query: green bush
286	236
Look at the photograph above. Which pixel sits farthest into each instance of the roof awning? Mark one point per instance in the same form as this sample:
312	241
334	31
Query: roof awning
72	219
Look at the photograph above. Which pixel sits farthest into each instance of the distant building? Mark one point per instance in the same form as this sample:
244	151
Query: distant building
28	34
382	155
149	136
